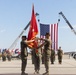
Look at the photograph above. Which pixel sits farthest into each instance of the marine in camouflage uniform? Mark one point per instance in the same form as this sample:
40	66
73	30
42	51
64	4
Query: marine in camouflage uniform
9	55
24	54
47	52
36	58
4	55
52	56
60	53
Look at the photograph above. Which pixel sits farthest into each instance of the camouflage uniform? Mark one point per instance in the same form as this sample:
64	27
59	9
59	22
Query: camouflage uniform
36	58
60	53
32	56
47	53
52	56
24	55
4	55
42	56
9	56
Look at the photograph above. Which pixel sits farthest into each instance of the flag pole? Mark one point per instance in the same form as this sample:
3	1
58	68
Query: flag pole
58	21
57	28
15	42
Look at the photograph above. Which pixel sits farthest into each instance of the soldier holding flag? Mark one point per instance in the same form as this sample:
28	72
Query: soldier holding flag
33	31
24	53
36	56
47	52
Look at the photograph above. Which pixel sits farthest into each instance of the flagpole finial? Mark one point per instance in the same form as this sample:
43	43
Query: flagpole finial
38	20
37	14
58	20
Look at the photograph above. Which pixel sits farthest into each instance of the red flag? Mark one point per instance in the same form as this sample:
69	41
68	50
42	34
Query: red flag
33	31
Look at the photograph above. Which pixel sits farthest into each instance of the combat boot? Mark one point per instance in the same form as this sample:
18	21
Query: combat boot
46	73
37	71
23	73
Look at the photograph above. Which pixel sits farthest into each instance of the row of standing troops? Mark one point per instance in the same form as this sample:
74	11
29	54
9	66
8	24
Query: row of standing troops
59	53
6	54
36	57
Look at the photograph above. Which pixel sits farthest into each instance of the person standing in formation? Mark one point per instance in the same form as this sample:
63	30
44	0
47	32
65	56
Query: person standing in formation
24	53
52	56
60	54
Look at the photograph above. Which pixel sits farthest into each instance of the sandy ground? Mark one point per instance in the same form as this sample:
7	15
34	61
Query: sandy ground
68	67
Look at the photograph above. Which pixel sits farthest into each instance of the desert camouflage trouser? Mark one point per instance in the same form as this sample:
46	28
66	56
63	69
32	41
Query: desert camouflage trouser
24	63
46	61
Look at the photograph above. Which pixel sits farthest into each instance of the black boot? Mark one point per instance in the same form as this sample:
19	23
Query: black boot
23	73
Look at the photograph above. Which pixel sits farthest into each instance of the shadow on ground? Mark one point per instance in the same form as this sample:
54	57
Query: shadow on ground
35	74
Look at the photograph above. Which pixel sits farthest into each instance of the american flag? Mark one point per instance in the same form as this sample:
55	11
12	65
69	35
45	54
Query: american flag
53	30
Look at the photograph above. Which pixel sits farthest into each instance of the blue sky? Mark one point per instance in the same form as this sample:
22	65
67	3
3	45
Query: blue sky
15	14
